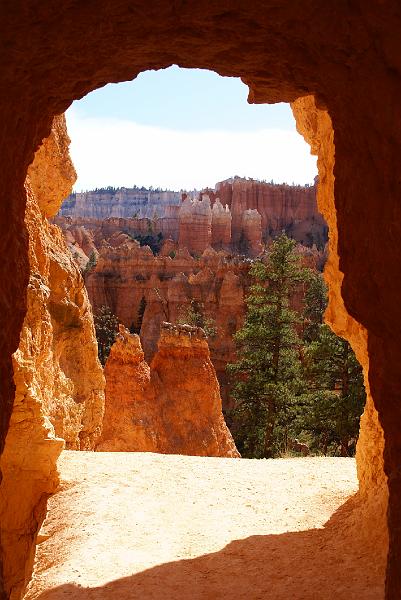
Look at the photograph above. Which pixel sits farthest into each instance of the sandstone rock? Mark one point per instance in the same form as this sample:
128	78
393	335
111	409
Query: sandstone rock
195	224
59	382
251	231
221	225
130	420
174	407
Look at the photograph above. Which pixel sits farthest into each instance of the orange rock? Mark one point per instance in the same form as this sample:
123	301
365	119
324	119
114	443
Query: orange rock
59	382
174	407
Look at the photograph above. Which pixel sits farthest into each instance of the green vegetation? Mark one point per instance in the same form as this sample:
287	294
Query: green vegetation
106	326
153	240
293	376
91	264
194	315
137	324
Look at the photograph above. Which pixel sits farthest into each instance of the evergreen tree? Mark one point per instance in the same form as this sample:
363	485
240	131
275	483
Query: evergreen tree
106	327
336	394
315	303
194	315
136	327
267	374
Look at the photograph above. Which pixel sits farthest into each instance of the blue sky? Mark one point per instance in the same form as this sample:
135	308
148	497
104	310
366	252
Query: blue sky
183	129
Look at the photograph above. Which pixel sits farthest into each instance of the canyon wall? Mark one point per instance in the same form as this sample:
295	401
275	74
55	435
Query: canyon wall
173	407
128	276
369	519
248	213
59	396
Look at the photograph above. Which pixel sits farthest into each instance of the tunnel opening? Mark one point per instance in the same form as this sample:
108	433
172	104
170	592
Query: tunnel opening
105	236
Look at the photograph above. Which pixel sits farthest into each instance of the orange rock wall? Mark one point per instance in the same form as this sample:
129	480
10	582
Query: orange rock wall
174	407
369	519
59	383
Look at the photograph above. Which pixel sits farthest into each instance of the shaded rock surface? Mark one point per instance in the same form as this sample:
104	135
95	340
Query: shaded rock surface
173	407
59	396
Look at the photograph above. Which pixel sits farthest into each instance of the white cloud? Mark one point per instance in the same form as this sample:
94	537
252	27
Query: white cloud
115	152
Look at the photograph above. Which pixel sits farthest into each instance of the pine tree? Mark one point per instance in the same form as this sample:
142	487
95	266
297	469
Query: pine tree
194	315
336	395
267	375
106	327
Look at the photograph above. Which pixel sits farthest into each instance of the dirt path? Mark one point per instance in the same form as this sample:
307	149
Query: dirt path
147	526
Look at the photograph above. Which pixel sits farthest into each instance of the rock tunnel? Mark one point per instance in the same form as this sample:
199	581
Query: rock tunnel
339	64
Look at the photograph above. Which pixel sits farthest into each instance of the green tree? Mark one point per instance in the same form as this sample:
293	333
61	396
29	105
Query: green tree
106	326
267	375
336	395
315	303
136	326
194	315
90	264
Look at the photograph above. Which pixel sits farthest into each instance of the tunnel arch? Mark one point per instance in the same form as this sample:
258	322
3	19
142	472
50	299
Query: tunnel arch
52	55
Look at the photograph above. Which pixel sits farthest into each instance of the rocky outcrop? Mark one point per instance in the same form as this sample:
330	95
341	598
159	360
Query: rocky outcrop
221	226
190	222
281	207
368	524
195	224
59	382
123	203
173	407
251	232
128	277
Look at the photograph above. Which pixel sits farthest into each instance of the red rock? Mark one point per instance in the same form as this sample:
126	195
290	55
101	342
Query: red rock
174	407
195	224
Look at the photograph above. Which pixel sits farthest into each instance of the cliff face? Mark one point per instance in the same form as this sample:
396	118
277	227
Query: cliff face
127	276
237	211
173	407
195	224
59	382
369	526
292	208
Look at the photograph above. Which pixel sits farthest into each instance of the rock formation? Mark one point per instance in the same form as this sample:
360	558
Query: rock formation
221	226
59	383
195	224
198	223
352	71
174	407
251	232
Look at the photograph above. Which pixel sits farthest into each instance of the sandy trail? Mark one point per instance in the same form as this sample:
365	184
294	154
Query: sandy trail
148	526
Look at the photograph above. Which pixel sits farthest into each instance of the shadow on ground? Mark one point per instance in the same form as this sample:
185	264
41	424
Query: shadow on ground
318	564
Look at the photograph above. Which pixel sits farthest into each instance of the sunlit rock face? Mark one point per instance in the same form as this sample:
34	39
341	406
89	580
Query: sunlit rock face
369	519
221	226
195	224
189	221
59	383
251	232
173	406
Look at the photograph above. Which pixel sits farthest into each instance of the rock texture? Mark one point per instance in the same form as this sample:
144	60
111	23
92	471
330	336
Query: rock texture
369	518
173	407
283	51
251	211
59	382
195	224
126	276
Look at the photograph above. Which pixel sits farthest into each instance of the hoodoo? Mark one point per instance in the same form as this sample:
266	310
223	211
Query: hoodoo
173	407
